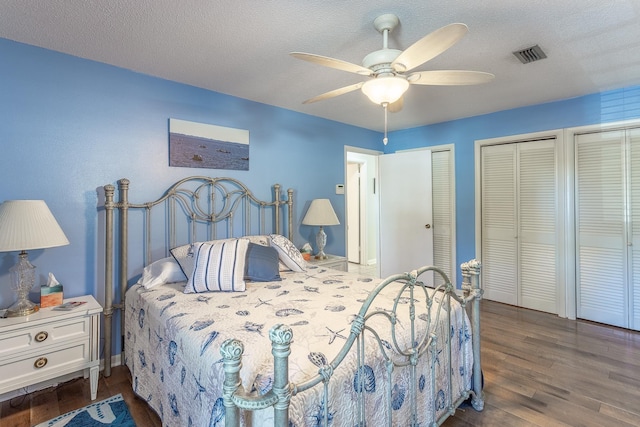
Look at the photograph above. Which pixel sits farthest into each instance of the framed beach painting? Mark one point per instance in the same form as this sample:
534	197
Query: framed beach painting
200	145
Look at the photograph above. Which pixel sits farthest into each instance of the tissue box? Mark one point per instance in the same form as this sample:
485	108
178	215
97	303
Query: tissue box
50	296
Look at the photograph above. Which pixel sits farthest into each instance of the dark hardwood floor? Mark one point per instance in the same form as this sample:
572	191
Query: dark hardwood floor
539	370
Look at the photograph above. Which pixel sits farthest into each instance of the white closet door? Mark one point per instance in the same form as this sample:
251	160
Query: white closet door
634	202
442	193
499	224
537	218
601	270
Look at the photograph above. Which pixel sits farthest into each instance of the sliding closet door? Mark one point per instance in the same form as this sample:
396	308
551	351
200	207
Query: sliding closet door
634	292
601	247
519	191
499	224
537	225
443	213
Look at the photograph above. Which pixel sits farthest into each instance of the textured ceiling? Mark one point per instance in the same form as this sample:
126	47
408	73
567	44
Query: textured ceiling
241	48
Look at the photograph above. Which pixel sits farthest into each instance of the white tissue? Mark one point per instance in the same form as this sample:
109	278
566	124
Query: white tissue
52	280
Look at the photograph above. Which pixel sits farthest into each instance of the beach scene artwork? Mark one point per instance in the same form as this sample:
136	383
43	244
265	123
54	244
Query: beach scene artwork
200	145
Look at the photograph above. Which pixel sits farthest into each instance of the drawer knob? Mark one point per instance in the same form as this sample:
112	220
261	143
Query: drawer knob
41	336
40	362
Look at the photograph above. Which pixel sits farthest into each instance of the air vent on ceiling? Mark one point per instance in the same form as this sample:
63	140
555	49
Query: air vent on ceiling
530	54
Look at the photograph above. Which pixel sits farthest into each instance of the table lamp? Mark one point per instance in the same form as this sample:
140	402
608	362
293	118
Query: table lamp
26	225
321	213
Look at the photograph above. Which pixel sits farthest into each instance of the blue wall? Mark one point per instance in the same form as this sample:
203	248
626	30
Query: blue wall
623	104
70	126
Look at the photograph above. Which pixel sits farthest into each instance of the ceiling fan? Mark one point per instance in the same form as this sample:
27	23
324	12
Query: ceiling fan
390	70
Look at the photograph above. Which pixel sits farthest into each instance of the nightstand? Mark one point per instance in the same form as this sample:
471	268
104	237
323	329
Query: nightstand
332	261
49	344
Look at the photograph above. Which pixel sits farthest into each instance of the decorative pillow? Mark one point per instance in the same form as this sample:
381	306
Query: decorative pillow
262	263
219	266
258	239
289	254
165	270
185	255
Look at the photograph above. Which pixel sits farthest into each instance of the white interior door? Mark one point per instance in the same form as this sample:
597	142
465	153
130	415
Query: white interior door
601	247
499	223
519	202
353	213
537	226
634	194
443	190
406	232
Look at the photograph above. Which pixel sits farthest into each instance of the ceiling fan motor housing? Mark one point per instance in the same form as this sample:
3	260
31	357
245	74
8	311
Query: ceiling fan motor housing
380	61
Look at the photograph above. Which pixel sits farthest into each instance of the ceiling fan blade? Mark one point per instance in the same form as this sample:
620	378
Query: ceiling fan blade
449	77
338	64
430	46
396	107
335	92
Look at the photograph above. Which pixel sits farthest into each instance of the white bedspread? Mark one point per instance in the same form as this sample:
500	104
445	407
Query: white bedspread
172	347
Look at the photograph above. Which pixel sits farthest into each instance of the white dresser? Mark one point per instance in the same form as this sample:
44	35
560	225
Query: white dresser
49	344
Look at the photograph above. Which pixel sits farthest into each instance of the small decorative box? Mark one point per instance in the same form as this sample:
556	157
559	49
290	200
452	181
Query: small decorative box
50	296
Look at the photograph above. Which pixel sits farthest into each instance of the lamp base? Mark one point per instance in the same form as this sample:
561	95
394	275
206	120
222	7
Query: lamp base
22	307
321	241
23	277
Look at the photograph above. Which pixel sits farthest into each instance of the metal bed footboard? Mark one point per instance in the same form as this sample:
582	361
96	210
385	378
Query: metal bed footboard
196	208
423	345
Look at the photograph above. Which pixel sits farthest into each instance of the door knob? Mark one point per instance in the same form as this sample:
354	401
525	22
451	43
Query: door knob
427	226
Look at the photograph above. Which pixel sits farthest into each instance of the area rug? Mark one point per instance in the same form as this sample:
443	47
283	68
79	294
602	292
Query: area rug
109	412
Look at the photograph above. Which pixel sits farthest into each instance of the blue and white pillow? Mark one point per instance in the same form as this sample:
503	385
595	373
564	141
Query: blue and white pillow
289	254
218	267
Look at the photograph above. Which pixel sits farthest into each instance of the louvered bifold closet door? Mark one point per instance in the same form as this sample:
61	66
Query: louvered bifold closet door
498	210
537	220
442	195
601	247
633	136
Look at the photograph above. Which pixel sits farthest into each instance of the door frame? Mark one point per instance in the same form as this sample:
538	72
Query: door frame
367	222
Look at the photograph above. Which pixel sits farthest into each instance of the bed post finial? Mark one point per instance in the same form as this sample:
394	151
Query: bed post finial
231	351
281	337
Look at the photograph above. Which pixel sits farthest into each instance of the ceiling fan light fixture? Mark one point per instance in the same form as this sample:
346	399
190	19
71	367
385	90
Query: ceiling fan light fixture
383	90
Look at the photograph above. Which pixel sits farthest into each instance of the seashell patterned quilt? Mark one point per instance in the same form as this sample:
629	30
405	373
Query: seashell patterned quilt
173	339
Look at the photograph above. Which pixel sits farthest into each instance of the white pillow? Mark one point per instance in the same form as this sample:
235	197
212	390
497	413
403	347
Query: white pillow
165	270
219	266
288	253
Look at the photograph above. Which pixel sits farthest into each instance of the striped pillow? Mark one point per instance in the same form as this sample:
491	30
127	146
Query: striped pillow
219	267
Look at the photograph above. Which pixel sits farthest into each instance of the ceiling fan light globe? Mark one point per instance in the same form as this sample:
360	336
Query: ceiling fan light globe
383	90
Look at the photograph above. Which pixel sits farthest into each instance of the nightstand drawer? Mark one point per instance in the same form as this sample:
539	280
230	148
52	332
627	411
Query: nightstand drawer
37	366
42	336
331	261
337	265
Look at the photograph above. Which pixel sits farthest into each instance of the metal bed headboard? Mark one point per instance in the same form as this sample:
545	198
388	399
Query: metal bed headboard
196	208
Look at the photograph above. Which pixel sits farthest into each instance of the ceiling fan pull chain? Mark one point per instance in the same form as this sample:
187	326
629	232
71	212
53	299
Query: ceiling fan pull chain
385	139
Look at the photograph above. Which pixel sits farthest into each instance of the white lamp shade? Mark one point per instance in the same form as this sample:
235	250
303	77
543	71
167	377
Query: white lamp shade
320	213
28	224
385	89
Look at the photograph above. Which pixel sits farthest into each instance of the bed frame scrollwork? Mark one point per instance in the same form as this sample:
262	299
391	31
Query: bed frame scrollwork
213	208
424	345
